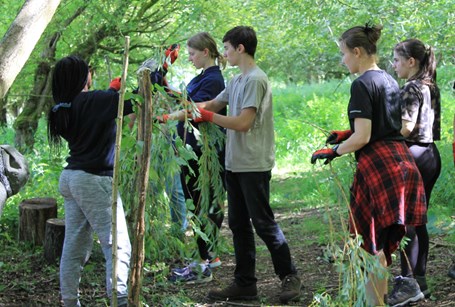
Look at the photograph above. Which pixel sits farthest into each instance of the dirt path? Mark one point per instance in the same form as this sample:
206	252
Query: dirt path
36	284
316	273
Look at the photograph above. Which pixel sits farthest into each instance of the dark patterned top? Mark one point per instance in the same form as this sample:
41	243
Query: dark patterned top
419	107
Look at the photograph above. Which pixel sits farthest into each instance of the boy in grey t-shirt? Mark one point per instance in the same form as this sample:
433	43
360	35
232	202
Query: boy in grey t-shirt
250	158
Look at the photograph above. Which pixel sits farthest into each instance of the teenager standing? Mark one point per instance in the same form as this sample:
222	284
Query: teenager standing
204	55
387	192
249	160
86	120
421	118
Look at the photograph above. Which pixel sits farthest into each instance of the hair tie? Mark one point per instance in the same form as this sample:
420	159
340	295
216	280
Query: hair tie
65	105
368	27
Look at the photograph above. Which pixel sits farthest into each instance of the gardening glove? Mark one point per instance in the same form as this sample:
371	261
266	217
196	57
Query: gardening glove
171	53
337	136
327	153
206	116
163	118
116	84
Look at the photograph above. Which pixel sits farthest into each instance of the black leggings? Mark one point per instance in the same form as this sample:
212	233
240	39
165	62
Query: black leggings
428	162
215	214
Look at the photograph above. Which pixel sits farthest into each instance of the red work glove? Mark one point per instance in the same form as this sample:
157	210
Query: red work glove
172	52
337	136
163	119
116	83
206	116
327	153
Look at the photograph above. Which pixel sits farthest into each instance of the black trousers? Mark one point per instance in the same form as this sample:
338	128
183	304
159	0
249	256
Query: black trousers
428	162
248	203
214	213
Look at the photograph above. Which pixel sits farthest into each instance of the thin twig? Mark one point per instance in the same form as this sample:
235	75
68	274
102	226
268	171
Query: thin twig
118	142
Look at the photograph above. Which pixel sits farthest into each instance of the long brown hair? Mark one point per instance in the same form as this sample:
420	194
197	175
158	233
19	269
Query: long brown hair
204	40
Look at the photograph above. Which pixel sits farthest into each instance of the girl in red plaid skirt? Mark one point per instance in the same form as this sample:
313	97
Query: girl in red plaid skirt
387	192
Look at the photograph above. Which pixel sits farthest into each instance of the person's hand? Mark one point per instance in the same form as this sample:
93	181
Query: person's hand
171	53
116	83
327	153
163	118
206	116
337	136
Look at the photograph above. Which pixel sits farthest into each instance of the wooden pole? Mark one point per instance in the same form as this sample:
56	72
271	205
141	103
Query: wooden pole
118	142
145	135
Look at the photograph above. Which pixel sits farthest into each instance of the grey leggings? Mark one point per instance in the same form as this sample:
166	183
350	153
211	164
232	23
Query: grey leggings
88	209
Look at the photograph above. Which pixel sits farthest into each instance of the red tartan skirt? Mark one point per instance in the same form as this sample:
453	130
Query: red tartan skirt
387	193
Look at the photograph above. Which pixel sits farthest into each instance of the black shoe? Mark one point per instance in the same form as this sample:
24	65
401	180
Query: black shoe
290	289
405	290
234	292
422	281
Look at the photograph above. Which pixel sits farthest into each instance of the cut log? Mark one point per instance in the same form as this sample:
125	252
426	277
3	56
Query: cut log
33	214
53	240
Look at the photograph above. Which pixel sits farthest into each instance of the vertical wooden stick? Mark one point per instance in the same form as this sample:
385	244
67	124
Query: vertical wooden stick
118	142
144	135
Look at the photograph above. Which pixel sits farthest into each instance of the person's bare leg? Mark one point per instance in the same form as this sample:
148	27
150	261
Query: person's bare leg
376	288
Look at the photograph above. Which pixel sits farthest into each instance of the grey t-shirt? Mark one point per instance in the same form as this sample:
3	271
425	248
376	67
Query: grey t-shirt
254	150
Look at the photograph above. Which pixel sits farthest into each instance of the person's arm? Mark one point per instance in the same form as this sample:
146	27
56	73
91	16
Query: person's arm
358	139
241	123
407	127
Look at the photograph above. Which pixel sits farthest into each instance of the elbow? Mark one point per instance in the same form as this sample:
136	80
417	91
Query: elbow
244	127
364	140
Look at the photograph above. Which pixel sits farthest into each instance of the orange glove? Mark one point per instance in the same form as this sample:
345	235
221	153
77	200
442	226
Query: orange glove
116	83
327	153
172	52
336	137
206	116
163	119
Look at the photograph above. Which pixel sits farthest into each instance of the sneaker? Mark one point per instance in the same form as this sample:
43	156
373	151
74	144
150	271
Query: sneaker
214	263
405	290
234	292
290	289
422	281
192	275
192	265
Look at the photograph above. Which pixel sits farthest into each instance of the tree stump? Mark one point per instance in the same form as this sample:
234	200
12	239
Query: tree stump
33	214
53	239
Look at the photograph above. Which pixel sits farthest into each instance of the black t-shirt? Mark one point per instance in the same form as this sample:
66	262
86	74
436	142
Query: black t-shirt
91	136
375	95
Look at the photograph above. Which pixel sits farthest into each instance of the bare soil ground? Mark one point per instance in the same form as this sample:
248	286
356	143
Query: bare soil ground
36	284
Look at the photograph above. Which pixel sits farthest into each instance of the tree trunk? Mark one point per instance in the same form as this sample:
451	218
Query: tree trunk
33	214
40	98
3	112
53	239
144	134
22	36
